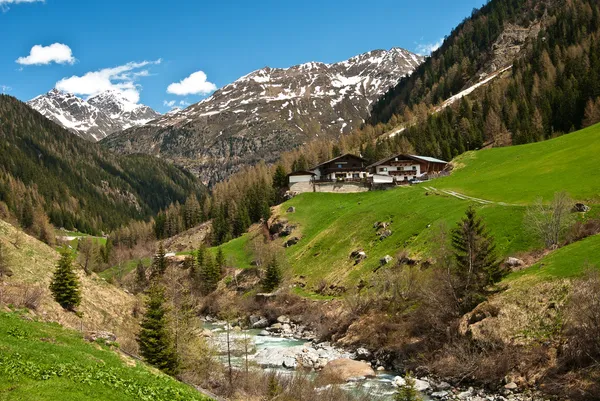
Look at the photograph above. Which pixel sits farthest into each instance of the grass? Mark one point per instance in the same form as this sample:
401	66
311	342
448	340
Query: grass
123	270
236	252
567	262
522	174
334	225
42	361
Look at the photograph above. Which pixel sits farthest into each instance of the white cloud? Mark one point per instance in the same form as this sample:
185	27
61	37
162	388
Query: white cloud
169	103
121	79
184	103
5	3
5	88
425	49
195	84
43	55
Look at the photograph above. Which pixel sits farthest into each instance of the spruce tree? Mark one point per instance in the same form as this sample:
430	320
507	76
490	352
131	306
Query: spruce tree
220	259
477	265
154	340
140	277
408	391
4	263
272	276
159	263
210	274
65	285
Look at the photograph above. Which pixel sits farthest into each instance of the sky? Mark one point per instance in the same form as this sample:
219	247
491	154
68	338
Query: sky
174	53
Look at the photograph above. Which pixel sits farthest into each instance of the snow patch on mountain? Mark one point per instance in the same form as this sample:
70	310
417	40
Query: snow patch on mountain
95	118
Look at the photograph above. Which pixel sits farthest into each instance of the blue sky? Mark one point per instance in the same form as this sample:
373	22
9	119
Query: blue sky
143	47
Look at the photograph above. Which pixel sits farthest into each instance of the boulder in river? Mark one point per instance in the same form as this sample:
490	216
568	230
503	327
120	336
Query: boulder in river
262	323
341	370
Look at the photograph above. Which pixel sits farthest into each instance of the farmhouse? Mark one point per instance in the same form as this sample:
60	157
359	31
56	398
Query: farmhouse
347	167
405	168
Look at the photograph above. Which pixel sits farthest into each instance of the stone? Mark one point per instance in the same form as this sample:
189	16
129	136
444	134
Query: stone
101	335
380	368
385	260
206	333
398	381
580	208
443	386
344	369
422	385
283	319
291	209
511	386
363	354
289	362
440	394
260	324
291	242
385	234
514	262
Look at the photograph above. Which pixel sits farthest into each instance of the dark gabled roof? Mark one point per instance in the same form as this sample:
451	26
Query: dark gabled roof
301	172
413	157
339	157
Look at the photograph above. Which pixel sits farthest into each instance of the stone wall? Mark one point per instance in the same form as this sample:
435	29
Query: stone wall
335	187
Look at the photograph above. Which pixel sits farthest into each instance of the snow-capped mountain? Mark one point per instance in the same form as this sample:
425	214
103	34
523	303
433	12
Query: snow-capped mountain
268	111
94	118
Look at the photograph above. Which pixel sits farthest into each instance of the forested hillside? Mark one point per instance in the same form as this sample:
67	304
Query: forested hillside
49	175
553	87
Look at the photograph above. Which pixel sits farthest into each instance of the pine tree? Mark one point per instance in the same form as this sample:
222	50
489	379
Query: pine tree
280	177
4	263
272	276
408	391
154	340
140	277
65	285
477	266
159	264
210	274
220	260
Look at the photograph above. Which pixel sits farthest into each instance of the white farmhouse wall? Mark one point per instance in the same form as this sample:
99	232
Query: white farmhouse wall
300	178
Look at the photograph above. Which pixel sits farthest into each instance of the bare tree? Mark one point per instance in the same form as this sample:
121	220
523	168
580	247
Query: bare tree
88	255
550	221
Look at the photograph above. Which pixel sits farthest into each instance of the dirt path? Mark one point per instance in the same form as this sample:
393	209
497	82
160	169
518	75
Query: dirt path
467	197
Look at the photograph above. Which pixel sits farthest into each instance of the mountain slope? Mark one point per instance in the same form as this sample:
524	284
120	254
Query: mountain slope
551	54
46	169
268	111
96	118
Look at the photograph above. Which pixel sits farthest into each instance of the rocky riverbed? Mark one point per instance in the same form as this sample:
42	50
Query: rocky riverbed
285	346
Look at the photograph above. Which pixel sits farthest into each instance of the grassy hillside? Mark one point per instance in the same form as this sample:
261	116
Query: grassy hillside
43	361
32	262
521	174
334	225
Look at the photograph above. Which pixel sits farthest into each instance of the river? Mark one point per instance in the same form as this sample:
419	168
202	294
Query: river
270	353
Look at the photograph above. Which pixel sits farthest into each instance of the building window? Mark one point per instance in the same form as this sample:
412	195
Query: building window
383	169
339	166
414	167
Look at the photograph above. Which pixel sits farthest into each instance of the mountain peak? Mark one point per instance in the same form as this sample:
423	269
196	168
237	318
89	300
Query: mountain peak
94	118
268	111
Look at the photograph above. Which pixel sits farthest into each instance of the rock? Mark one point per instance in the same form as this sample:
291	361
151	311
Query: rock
580	208
344	369
206	333
264	333
440	394
381	225
260	324
465	395
380	368
514	262
101	335
384	234
422	385
511	386
291	209
363	354
289	362
443	386
358	256
385	260
283	319
277	327
398	381
291	242
253	319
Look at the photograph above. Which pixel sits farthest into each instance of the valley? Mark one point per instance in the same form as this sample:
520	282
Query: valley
394	226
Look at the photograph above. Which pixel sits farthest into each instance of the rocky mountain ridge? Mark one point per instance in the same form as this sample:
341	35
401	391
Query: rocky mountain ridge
95	118
269	111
